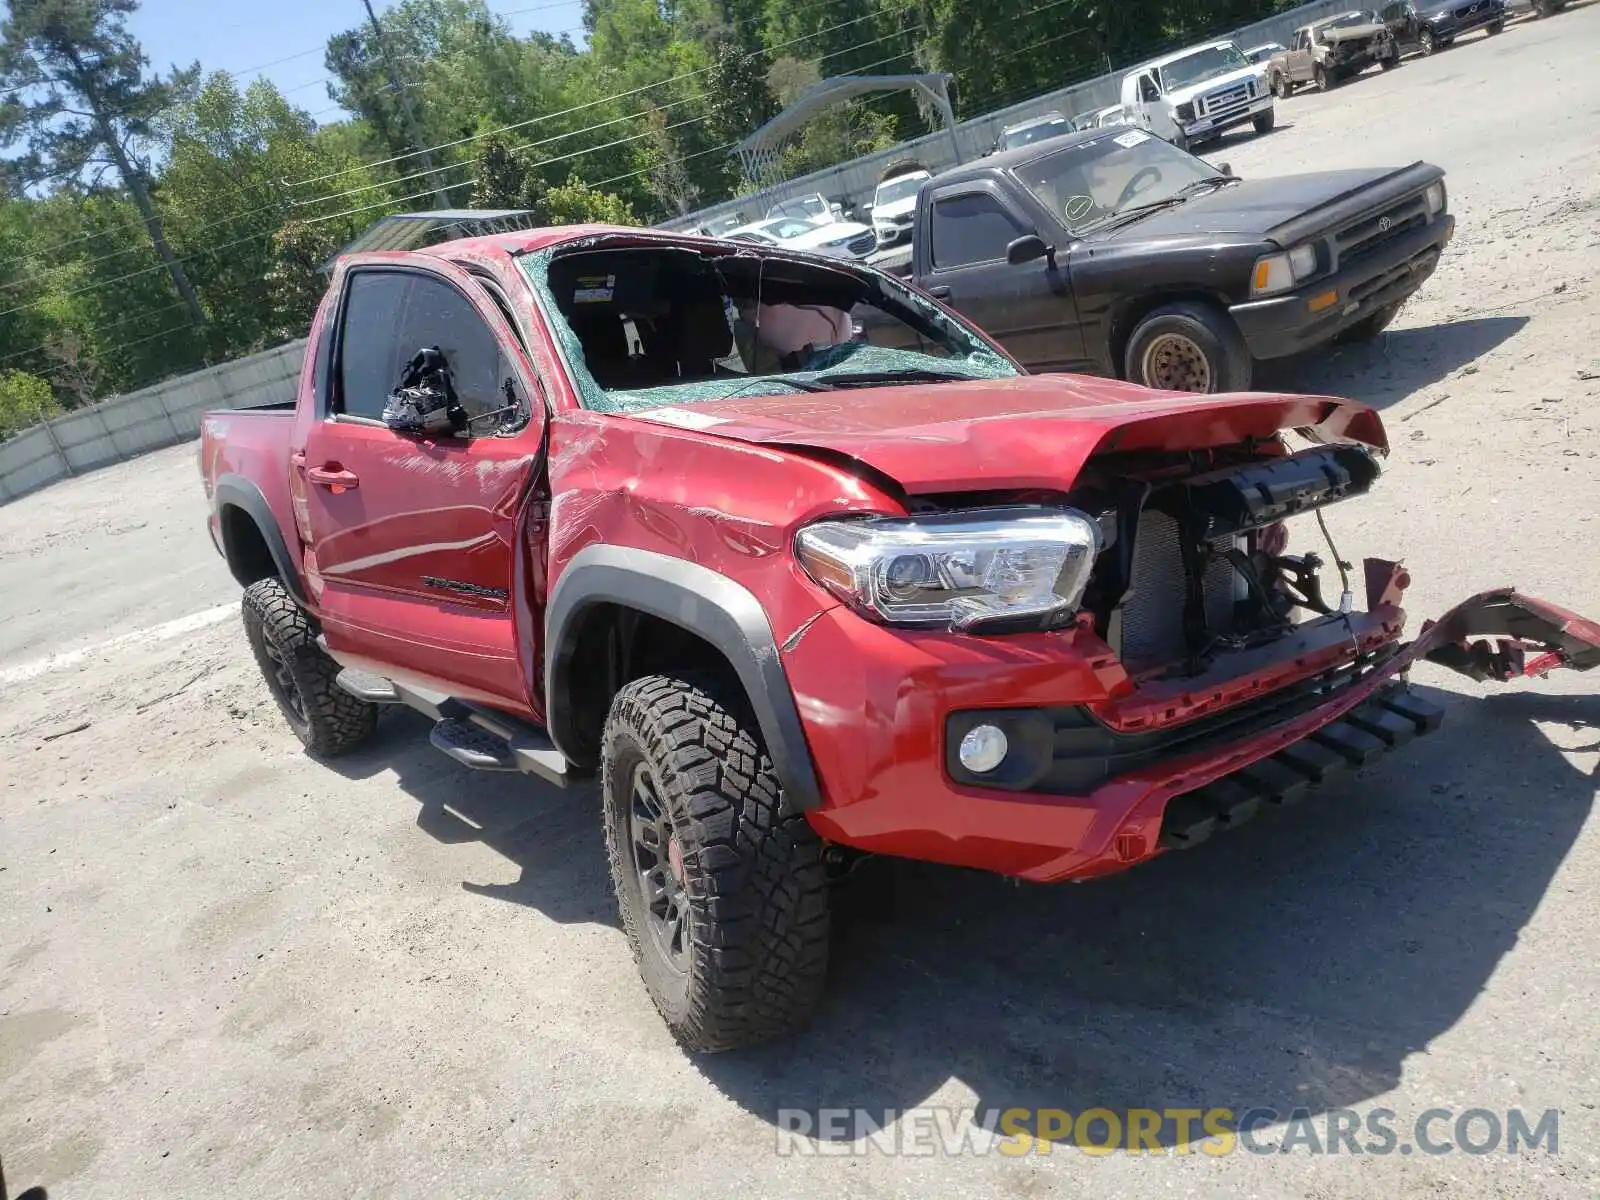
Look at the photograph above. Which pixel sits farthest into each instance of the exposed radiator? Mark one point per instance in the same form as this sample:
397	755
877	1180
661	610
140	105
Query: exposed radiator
1148	626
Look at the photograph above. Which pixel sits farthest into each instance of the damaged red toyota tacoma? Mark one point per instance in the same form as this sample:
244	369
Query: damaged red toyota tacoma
802	565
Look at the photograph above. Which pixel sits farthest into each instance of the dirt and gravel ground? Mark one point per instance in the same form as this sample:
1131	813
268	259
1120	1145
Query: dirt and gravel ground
230	971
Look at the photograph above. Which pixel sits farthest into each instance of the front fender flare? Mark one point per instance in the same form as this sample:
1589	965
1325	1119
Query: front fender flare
241	493
703	602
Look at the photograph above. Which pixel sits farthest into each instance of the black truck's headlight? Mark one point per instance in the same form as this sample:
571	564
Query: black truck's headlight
1274	273
1434	197
997	568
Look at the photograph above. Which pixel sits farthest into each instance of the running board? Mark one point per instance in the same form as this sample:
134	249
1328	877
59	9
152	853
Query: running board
476	737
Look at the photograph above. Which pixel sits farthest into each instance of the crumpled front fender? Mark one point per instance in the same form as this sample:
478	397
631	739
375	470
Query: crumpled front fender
1503	635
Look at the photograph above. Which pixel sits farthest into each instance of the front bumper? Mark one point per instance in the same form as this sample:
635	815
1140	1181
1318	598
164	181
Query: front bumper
1288	324
1211	125
876	704
892	235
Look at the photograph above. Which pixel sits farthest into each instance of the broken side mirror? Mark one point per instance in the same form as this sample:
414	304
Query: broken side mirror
1027	248
425	403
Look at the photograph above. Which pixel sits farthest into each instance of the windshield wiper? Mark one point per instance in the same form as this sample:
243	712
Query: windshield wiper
868	378
1124	215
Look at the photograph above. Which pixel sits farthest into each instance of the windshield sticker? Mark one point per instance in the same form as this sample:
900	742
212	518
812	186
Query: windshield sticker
1131	139
594	289
1078	207
683	417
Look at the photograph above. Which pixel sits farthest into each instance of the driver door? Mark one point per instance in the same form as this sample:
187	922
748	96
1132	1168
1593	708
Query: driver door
1028	307
411	541
1300	57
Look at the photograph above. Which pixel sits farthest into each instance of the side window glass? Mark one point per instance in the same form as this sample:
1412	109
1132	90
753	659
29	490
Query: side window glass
371	352
438	315
971	229
1148	89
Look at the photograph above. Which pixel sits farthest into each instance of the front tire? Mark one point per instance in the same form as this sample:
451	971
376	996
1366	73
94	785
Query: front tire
720	882
1189	346
1496	27
1390	63
1282	88
1265	121
1325	79
327	720
1427	42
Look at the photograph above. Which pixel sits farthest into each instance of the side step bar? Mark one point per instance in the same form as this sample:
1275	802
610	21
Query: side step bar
474	736
1385	722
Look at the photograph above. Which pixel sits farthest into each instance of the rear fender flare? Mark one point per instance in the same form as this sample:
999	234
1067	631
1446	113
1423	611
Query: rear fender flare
705	603
238	492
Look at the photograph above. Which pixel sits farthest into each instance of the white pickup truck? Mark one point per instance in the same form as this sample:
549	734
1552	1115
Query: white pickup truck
1197	94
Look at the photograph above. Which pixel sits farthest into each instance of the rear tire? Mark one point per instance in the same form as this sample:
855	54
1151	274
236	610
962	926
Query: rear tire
1325	79
720	882
1390	63
1369	327
1497	27
327	720
1265	121
1189	346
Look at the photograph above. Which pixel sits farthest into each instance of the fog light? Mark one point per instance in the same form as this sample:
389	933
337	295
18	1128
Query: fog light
983	749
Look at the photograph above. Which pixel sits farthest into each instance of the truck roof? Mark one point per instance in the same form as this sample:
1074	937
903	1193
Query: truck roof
1177	54
1005	159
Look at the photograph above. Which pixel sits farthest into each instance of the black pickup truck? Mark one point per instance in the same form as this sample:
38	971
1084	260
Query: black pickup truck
1113	252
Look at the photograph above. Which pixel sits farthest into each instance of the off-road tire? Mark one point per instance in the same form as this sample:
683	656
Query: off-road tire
1208	329
332	722
1369	327
755	947
1265	121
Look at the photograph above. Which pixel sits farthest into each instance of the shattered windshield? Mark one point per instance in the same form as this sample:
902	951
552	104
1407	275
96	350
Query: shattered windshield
647	326
1203	65
1115	177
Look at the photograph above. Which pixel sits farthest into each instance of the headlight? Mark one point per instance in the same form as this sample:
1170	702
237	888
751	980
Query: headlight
1279	272
1184	111
1435	197
982	568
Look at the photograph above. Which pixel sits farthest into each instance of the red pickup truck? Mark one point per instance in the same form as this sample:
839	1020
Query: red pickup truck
803	565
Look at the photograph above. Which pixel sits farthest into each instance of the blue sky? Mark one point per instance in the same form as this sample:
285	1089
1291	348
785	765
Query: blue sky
284	39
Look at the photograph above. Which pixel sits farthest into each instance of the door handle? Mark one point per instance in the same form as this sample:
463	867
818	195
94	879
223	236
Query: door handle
333	476
940	292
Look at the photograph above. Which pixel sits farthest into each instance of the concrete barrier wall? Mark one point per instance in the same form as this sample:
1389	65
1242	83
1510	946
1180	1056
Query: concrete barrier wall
856	180
124	427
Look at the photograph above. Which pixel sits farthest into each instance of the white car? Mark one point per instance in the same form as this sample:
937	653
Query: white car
840	239
894	205
1111	115
1197	94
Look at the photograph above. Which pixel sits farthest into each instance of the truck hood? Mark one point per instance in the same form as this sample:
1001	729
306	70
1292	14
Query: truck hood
896	208
1030	431
1354	33
1252	206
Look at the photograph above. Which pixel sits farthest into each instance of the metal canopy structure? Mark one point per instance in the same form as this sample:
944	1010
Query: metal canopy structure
759	152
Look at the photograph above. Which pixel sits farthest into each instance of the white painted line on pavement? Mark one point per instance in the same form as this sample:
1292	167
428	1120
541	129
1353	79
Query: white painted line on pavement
167	630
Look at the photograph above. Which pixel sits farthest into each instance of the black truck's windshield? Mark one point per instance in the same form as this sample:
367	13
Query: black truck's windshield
1093	184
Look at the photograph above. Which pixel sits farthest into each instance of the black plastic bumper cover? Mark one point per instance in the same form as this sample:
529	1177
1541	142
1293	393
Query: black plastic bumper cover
1387	721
